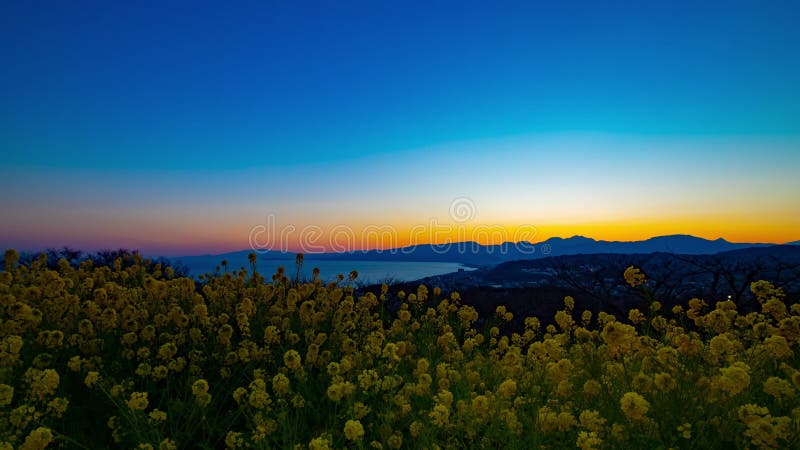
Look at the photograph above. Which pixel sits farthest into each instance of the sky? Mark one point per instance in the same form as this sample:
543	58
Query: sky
190	128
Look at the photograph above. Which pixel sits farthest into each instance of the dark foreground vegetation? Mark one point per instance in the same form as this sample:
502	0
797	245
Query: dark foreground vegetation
131	355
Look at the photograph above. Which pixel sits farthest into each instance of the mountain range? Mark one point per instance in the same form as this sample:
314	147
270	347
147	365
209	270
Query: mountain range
472	253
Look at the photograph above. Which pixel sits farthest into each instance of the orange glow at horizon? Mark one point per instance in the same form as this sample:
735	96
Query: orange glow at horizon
200	240
602	187
184	232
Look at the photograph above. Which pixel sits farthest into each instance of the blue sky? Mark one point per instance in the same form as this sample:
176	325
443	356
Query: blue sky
279	98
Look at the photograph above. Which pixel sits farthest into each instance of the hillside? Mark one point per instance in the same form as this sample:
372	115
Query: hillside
535	287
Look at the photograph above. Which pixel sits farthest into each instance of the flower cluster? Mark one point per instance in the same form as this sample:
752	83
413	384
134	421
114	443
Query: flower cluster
244	361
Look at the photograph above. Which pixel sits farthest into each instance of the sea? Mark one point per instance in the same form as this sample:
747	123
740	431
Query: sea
369	272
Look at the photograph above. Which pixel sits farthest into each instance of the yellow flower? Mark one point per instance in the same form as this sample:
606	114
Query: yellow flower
664	382
565	421
619	337
548	419
591	388
333	369
298	402
57	406
160	372
774	307
655	306
395	441
259	399
37	439
734	379
199	387
167	444
157	416
415	429
6	394
564	320
167	351
480	406
404	315
634	277
281	384
778	388
91	379
507	388
777	347
353	430
319	443
634	406
636	316
200	392
234	440
764	430
440	415
764	290
74	363
509	416
129	338
239	393
335	392
360	410
138	401
591	420
43	383
588	440
292	359
368	379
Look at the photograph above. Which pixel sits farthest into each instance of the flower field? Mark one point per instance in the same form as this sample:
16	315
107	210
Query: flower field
132	356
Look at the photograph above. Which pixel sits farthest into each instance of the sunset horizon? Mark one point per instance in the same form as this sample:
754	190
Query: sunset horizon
304	238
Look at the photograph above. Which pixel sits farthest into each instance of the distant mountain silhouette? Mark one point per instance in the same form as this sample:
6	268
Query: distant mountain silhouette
793	243
472	253
678	243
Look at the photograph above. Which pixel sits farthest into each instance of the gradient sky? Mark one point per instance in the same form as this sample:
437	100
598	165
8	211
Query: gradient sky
176	128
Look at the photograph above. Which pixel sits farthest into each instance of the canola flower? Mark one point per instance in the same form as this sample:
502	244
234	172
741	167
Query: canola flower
319	443
138	401
353	430
38	439
91	379
200	392
245	361
6	394
634	276
634	406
